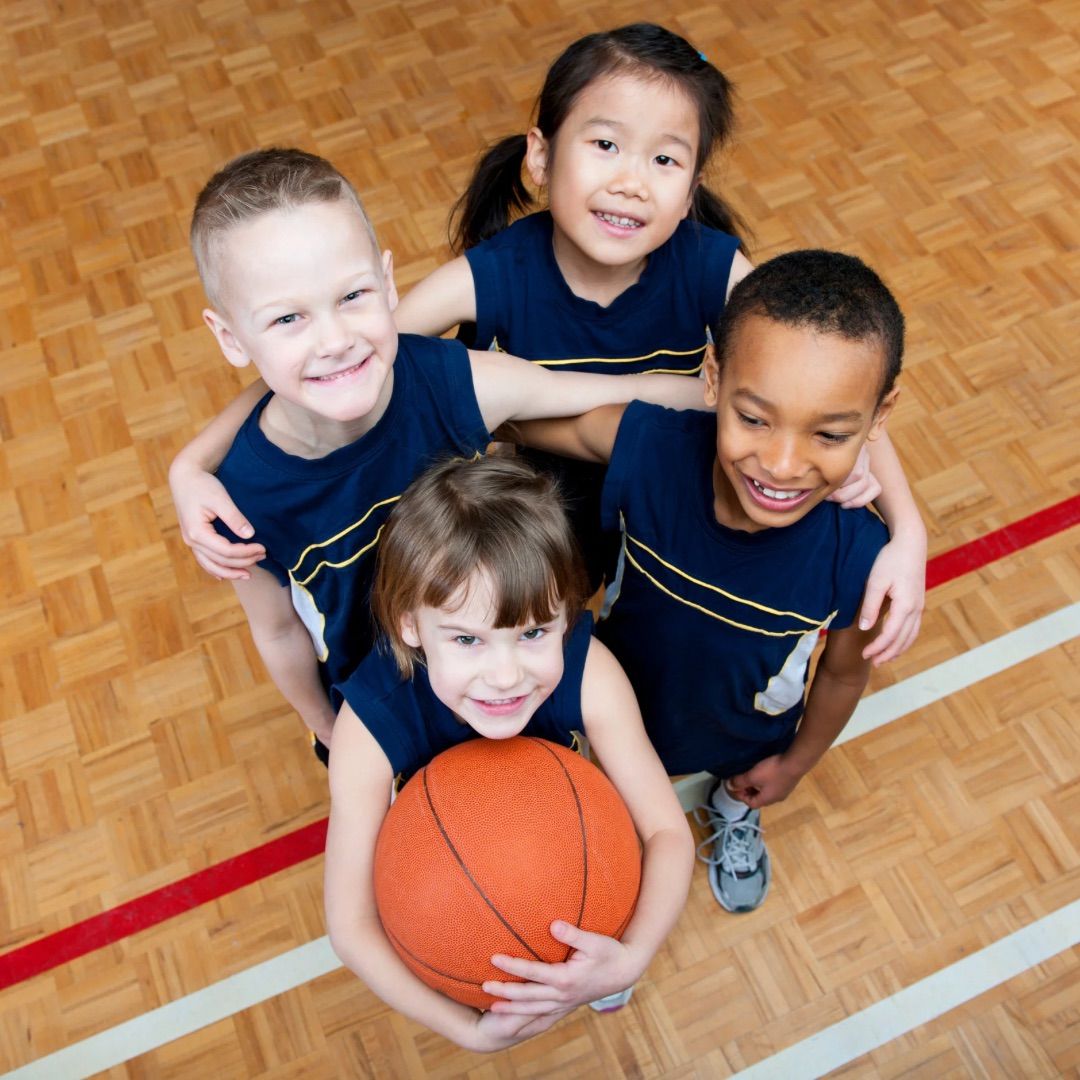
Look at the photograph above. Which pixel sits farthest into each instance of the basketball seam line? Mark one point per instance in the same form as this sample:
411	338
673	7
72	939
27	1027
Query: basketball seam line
475	884
398	943
581	827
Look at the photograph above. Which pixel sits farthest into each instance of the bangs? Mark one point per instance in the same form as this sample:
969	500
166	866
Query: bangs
524	581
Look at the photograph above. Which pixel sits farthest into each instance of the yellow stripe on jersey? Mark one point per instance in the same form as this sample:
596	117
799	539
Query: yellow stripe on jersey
811	622
344	532
622	359
344	562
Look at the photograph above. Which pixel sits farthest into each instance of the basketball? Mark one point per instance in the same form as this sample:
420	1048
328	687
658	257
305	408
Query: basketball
490	843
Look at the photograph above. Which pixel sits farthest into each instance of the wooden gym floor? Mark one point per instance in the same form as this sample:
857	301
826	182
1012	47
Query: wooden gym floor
141	741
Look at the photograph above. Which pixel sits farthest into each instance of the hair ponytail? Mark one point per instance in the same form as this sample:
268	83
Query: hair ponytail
707	208
495	192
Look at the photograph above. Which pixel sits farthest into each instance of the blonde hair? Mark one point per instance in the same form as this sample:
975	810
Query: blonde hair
256	183
492	515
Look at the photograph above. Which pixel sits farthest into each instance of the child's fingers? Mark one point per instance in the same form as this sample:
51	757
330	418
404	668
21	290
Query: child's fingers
902	640
871	605
533	971
525	993
583	941
527	1008
233	519
222	573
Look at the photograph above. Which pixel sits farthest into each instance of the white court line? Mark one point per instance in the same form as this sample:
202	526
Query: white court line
185	1015
923	1001
247	988
962	671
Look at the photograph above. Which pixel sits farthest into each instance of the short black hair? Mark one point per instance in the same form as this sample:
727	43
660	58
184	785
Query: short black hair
826	291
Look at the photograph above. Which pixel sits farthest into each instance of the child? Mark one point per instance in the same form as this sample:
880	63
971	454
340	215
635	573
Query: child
478	591
623	273
290	265
733	560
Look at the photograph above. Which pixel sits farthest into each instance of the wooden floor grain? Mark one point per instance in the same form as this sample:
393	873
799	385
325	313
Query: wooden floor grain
140	738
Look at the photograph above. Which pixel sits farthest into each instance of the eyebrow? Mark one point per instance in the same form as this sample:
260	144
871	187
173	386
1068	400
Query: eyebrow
603	121
852	415
286	303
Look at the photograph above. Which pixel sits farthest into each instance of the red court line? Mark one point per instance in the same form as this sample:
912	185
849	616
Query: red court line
225	877
1001	542
161	904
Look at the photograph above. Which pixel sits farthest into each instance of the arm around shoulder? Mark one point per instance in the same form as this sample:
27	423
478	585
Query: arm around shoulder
589	437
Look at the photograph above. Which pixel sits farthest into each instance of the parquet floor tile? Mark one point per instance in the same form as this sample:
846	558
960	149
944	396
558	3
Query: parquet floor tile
140	738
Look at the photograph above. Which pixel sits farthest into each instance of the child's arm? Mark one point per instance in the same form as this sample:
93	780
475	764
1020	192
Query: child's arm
838	684
589	437
445	298
199	496
360	779
285	647
508	388
899	572
602	965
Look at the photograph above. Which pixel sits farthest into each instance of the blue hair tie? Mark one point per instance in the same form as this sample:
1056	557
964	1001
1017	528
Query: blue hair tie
703	57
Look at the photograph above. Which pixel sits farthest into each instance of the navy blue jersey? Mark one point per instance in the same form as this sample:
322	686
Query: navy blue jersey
525	307
320	519
715	626
412	725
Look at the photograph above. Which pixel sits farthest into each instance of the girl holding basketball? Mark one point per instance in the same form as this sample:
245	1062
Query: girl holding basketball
622	273
479	593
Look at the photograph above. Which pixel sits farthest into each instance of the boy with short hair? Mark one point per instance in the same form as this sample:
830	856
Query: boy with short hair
354	414
733	563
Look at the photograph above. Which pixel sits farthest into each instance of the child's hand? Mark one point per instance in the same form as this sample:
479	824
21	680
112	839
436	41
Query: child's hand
899	575
499	1031
200	498
861	487
598	966
771	780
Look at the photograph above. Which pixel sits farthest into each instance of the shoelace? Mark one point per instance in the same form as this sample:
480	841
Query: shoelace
736	842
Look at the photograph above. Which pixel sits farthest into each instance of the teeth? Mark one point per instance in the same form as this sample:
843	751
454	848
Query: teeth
772	494
624	222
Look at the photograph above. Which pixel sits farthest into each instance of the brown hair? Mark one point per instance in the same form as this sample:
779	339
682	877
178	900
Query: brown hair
256	183
492	514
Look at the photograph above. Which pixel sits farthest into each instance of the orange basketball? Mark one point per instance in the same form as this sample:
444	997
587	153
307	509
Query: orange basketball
487	845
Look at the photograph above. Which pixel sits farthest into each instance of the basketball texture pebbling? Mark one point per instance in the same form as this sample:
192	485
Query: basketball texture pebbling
487	845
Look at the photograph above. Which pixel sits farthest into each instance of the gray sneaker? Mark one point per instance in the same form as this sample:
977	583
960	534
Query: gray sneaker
739	870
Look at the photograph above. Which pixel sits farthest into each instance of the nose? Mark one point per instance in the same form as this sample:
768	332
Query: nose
333	335
503	672
629	178
781	458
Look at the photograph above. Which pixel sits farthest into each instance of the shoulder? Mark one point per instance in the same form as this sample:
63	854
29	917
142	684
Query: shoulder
642	421
434	362
692	238
416	349
862	530
517	236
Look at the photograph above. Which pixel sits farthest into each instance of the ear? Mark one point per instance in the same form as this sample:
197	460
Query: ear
230	345
711	370
408	631
881	413
537	154
388	279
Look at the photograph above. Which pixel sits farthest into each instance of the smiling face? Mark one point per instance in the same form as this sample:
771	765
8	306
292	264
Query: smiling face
620	171
793	409
492	679
306	298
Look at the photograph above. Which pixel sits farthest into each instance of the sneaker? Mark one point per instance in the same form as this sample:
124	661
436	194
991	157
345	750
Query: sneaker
739	870
613	1002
